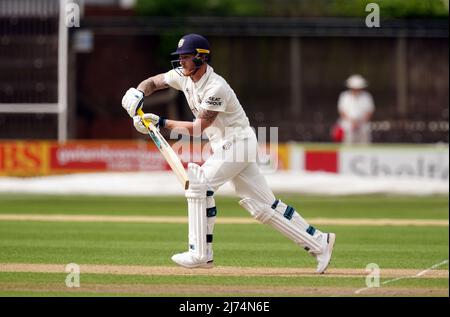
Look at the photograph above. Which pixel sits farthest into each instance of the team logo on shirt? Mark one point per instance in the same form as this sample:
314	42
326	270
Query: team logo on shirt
214	101
226	146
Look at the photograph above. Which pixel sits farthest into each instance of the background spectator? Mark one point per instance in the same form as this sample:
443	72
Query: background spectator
355	108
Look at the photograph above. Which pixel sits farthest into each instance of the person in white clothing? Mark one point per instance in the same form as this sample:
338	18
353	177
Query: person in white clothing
220	116
356	108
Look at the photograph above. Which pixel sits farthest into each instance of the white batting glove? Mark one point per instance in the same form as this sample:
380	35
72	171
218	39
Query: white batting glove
139	125
132	100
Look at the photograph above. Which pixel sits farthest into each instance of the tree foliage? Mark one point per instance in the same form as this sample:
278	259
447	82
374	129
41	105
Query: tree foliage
293	8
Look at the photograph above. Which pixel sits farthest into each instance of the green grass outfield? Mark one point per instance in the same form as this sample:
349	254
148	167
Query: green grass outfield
405	250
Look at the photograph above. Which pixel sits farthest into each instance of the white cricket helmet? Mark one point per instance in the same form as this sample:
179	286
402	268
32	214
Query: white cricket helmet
356	82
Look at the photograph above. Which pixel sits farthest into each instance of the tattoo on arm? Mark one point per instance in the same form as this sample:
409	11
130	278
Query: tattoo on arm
153	84
208	116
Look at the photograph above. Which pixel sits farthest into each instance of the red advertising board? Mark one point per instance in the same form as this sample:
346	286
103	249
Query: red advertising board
101	156
25	158
321	160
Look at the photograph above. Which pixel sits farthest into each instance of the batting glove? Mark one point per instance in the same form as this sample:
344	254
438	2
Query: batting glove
132	100
156	120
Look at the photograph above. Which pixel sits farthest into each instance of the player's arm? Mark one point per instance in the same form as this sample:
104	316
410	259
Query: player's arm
368	116
370	108
195	128
134	97
152	84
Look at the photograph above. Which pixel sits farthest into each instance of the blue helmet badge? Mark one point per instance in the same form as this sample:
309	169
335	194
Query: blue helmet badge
192	44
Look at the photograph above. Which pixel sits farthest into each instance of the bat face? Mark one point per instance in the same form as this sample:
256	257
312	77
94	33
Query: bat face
155	139
166	150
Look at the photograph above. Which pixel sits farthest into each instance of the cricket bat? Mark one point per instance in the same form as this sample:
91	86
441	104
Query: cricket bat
166	150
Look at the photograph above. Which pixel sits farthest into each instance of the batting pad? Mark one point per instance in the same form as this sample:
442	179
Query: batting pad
293	228
211	212
196	198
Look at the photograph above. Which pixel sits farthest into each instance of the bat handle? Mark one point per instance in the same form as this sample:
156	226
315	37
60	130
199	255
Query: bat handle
141	114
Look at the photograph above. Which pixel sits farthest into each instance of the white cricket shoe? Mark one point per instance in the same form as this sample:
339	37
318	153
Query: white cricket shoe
189	260
324	258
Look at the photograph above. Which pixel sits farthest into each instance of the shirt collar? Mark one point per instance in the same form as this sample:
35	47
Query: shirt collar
205	77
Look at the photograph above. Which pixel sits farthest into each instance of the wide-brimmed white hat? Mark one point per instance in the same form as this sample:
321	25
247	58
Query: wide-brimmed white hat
356	82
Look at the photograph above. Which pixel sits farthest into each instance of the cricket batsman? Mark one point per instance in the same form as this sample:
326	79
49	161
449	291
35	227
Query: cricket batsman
220	116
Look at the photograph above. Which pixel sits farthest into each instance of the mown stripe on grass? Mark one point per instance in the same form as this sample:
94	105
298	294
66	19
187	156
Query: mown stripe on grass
223	220
216	271
421	273
310	281
219	290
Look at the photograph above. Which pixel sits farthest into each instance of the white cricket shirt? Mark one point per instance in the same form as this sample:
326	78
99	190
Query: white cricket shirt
212	92
355	107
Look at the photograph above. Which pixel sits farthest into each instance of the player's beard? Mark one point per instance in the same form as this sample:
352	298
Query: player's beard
189	72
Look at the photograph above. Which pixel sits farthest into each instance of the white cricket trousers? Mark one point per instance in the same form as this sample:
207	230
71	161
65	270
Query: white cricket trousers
362	135
236	161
